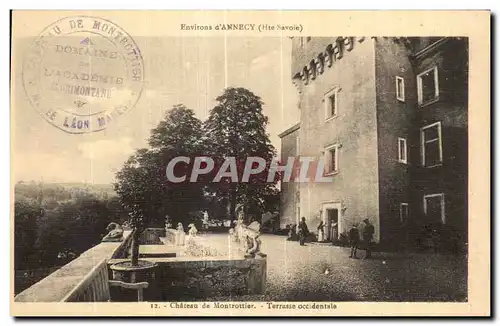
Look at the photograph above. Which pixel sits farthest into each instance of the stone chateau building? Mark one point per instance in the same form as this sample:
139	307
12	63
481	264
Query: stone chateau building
389	115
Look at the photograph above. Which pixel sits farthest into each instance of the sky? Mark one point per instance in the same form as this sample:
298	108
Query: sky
188	70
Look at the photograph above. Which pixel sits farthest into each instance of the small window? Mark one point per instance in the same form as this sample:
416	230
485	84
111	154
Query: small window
332	159
331	103
402	151
428	86
403	212
400	89
434	209
431	145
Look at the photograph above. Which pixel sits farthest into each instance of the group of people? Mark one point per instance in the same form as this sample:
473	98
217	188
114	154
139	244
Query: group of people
355	241
334	229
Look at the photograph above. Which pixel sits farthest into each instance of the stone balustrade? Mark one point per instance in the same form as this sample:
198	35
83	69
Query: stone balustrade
93	288
58	285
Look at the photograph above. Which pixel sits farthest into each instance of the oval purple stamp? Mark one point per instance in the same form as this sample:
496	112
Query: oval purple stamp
82	72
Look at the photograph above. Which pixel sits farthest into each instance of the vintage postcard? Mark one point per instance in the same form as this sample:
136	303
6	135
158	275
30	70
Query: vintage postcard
250	163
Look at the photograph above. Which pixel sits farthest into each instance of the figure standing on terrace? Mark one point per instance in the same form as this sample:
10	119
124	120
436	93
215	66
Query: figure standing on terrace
115	233
354	240
180	235
321	232
303	231
368	232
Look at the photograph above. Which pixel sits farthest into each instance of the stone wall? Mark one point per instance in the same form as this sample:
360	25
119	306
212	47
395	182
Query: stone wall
200	279
354	189
395	118
289	195
451	109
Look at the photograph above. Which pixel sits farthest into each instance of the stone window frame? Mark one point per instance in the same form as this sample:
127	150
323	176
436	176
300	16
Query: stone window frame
334	91
400	96
443	208
405	158
329	170
420	88
423	141
401	205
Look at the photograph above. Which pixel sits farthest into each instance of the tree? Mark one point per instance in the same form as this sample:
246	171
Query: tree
140	193
179	134
236	127
25	231
70	229
142	186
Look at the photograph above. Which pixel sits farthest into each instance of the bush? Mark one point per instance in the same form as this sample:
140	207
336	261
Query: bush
194	249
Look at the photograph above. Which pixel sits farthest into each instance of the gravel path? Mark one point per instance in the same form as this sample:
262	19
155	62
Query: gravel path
326	273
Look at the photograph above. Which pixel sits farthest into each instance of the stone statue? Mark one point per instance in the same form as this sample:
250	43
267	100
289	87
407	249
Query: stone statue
232	235
115	233
192	234
238	229
193	231
205	220
168	222
251	235
180	235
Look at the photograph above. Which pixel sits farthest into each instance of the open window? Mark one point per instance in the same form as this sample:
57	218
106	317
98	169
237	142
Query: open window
331	103
332	159
431	145
428	86
403	212
400	89
434	208
402	151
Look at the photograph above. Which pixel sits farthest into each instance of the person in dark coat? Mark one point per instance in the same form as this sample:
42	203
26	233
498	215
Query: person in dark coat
368	232
303	231
353	240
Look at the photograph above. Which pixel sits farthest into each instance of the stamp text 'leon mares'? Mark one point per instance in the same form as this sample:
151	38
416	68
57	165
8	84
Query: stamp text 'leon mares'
81	73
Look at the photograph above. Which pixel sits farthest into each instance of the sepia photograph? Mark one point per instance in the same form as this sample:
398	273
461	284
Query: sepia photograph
230	166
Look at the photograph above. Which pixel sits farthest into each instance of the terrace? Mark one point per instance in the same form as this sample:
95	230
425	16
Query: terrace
191	272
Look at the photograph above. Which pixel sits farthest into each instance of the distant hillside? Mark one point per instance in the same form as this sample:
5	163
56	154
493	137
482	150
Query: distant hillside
108	188
60	191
